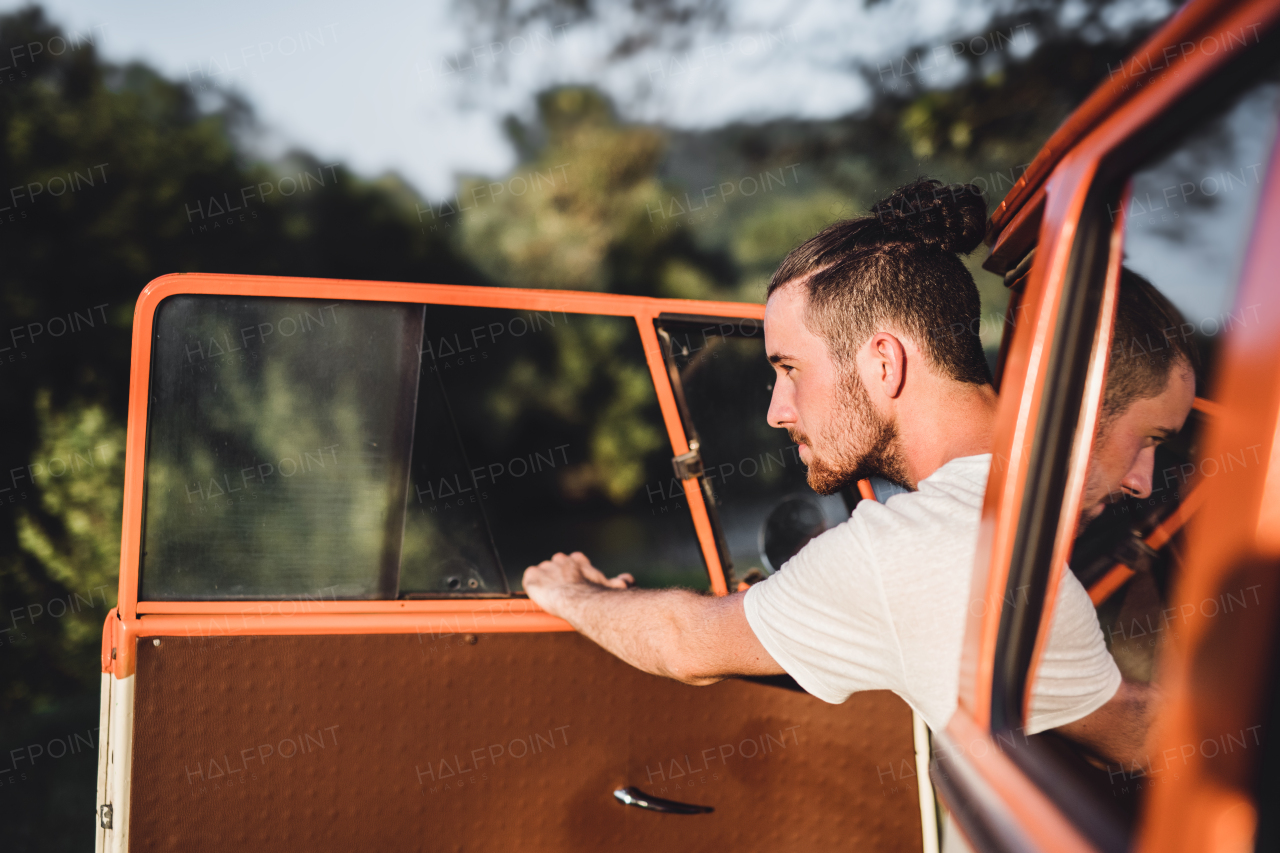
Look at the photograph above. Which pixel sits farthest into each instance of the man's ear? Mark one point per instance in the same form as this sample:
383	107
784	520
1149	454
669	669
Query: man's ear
889	363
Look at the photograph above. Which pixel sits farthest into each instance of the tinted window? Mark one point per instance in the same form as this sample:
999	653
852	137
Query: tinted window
1190	214
752	468
278	440
556	433
355	450
1189	220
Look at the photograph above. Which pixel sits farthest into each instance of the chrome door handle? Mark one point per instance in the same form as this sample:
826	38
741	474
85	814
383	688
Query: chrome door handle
633	796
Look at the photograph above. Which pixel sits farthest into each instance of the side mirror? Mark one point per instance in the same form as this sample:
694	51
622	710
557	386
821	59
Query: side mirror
789	526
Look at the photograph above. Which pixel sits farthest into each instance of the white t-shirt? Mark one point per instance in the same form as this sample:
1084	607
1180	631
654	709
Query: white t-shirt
880	603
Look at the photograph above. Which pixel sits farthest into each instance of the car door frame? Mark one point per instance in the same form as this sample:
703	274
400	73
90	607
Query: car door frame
996	802
133	621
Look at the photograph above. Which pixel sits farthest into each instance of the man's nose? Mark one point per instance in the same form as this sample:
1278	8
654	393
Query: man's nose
1138	481
781	411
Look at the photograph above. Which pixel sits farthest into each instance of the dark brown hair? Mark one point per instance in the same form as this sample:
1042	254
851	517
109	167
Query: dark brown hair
1151	337
899	267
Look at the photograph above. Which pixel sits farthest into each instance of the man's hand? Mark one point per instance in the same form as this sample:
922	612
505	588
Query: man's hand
552	582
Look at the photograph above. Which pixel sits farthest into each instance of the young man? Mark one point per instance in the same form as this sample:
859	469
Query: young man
866	386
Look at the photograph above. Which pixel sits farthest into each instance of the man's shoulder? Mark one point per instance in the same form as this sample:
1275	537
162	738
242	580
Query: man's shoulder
920	529
921	533
964	477
956	489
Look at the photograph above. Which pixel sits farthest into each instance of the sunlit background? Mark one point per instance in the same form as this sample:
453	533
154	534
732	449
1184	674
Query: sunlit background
654	147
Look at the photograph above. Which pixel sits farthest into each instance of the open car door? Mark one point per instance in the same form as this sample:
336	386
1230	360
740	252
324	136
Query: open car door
332	490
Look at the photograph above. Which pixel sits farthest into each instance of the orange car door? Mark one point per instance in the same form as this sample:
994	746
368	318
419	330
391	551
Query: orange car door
332	491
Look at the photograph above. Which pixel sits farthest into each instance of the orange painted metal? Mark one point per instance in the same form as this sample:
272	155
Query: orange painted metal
424	624
865	490
133	618
1062	174
680	443
1035	813
1218	670
1120	573
1022	388
1091	410
1207	407
1194	23
1109	583
1010	244
109	639
320	606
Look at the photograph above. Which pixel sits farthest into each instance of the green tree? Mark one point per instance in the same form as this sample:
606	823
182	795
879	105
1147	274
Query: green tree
586	210
112	175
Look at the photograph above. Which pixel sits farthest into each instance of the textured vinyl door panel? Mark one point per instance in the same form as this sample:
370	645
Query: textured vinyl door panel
513	742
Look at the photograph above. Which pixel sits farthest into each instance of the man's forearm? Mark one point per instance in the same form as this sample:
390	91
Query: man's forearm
675	633
1120	731
653	630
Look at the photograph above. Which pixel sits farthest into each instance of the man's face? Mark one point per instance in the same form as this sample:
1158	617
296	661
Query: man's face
1123	458
827	411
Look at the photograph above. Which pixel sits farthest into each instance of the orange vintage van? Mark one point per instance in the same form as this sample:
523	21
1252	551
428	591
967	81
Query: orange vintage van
332	488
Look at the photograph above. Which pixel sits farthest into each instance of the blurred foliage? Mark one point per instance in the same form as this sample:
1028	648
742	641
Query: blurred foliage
607	206
594	379
583	218
675	26
79	472
268	474
651	22
164	152
162	158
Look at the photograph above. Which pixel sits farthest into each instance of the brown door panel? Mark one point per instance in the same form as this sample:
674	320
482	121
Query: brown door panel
502	742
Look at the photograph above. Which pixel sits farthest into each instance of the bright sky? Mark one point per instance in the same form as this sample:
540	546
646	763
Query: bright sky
396	85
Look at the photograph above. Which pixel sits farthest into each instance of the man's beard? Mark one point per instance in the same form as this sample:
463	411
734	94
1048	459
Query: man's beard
1095	491
864	444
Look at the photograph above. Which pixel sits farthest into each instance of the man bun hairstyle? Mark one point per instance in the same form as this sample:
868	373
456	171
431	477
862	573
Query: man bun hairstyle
1150	339
948	218
899	268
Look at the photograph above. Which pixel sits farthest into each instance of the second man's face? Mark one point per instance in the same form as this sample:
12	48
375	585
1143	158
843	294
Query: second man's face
1123	458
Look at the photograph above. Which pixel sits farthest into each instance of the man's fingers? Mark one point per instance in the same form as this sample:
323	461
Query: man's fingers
573	568
594	575
580	560
541	568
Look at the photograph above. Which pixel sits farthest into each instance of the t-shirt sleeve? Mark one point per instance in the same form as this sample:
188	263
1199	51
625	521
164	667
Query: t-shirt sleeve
1077	675
824	618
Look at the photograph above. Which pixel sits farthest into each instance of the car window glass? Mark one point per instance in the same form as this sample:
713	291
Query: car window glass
278	438
1188	225
448	542
1189	215
556	434
346	450
765	507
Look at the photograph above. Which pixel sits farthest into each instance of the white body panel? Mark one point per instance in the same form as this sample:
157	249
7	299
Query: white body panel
928	798
115	765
